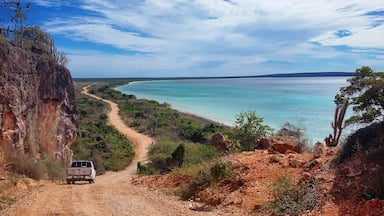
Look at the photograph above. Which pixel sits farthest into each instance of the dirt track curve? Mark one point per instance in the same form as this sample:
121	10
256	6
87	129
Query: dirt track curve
111	194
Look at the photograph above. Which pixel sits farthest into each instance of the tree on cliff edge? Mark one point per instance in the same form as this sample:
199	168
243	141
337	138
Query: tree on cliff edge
18	13
366	94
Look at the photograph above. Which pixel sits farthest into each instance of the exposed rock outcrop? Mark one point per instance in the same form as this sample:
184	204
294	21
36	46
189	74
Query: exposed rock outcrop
220	142
318	150
37	104
282	144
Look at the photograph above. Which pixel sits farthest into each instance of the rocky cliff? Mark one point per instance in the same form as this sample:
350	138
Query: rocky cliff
37	104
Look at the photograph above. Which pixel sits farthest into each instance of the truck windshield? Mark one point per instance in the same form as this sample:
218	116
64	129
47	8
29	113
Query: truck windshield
81	164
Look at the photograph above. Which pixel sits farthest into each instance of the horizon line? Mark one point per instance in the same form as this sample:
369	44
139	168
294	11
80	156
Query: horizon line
278	75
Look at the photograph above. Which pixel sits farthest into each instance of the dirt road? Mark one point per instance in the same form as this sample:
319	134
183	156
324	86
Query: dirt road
112	193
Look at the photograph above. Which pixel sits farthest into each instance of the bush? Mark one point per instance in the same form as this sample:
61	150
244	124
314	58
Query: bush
291	199
160	152
248	129
55	169
192	132
368	139
28	166
145	169
178	156
220	171
103	144
202	176
163	154
200	181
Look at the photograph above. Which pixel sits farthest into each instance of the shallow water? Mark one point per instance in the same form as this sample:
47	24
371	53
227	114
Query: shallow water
305	102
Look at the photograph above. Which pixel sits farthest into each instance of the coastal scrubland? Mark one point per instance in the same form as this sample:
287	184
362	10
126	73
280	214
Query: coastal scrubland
97	140
302	185
346	179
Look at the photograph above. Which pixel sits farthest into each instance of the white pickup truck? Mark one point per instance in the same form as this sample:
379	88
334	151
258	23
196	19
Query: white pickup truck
81	170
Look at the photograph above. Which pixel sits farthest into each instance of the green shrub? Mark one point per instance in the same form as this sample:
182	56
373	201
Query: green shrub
163	154
192	132
28	166
291	199
199	153
200	181
103	144
145	169
160	152
220	171
55	169
202	176
178	156
282	185
248	129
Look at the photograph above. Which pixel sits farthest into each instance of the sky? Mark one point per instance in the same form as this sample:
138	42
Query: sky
200	38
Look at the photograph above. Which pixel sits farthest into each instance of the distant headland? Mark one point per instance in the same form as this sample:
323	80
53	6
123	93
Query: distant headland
304	74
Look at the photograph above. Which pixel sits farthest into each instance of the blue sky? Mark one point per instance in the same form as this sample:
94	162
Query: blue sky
162	38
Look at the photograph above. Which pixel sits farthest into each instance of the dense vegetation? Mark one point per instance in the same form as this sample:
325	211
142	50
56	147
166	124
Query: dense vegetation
157	119
365	147
98	141
365	93
170	128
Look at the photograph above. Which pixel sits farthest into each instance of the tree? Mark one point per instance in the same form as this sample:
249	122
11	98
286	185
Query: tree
39	41
176	158
366	95
178	155
18	15
248	129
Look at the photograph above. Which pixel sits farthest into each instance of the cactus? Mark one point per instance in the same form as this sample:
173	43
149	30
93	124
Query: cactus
337	124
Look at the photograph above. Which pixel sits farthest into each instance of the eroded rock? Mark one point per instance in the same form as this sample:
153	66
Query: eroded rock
37	104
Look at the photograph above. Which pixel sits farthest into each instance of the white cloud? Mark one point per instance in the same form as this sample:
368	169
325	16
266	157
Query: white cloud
241	33
361	38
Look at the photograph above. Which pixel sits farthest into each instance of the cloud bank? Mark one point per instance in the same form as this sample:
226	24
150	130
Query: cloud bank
157	38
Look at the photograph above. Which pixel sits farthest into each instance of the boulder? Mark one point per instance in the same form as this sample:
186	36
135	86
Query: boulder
220	142
283	144
263	143
318	149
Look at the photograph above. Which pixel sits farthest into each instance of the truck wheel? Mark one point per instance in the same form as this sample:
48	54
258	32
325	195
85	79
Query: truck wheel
69	181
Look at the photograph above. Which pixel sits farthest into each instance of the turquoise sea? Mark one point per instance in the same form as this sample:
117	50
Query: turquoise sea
306	102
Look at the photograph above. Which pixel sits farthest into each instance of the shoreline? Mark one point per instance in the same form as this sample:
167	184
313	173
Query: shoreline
314	123
199	116
178	109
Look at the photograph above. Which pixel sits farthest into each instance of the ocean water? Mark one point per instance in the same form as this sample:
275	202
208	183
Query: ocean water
305	102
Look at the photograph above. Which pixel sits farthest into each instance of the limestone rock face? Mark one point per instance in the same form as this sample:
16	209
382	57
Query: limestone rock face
37	104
